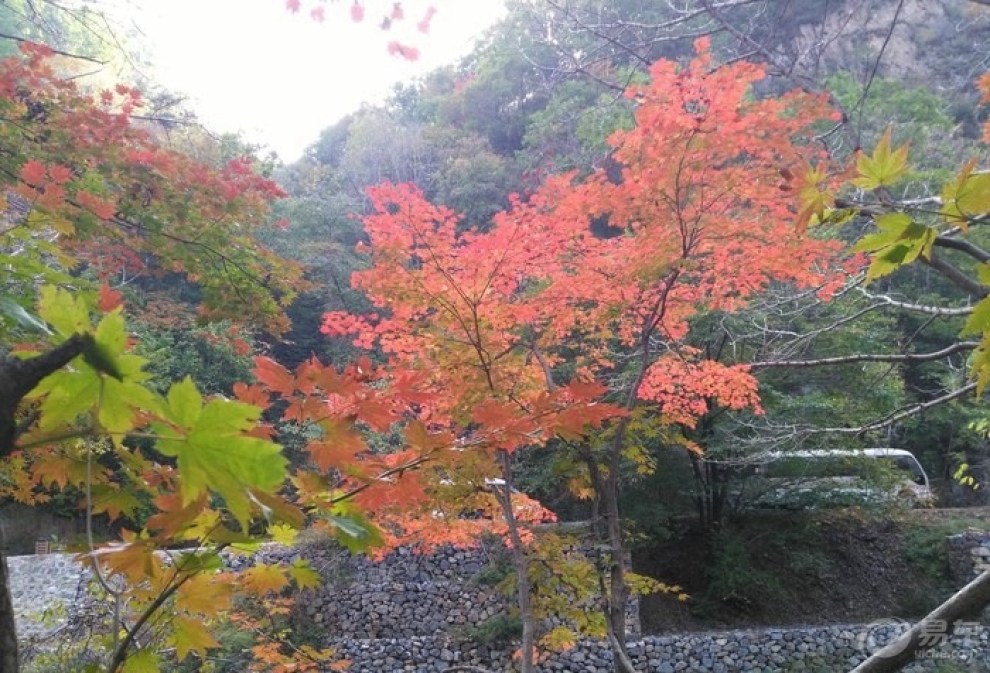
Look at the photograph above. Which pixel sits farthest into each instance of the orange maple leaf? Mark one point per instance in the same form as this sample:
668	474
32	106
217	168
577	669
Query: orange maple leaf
109	298
274	375
338	447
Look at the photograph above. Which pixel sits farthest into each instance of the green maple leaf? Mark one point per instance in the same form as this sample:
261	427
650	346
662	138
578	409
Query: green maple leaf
882	168
979	320
106	380
967	197
214	452
66	312
979	364
899	240
304	575
142	661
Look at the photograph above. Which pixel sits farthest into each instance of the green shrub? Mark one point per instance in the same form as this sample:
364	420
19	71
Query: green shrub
497	630
734	579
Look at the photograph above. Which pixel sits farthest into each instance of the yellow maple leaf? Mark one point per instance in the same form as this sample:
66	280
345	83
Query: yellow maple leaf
134	560
204	594
190	636
283	534
882	168
262	579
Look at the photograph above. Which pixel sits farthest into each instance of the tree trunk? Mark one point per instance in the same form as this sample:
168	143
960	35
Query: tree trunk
8	630
618	592
615	596
968	602
521	566
17	378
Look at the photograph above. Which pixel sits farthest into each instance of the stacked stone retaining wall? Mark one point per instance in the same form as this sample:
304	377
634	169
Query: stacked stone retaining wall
416	613
830	649
404	595
969	554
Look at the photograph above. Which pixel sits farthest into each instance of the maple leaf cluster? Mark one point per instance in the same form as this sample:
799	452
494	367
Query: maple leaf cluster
489	315
83	169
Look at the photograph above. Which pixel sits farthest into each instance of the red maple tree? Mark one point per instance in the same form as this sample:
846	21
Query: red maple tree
542	306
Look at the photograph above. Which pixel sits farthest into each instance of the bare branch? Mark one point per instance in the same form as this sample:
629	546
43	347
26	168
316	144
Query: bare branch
860	104
971	249
959	278
943	311
903	413
958	347
24	40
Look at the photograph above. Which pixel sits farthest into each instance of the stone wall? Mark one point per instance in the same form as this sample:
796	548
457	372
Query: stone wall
404	595
407	594
969	554
809	649
417	613
45	589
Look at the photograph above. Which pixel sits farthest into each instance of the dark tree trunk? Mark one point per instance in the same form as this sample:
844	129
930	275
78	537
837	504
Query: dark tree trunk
618	592
613	605
8	630
17	378
616	597
520	564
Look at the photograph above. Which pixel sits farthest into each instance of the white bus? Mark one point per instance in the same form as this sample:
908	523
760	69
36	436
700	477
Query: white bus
838	477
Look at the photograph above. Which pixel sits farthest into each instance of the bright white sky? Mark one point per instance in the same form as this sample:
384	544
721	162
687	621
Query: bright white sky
280	78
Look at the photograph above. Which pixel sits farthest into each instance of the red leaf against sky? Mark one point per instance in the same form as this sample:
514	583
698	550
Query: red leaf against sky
424	24
357	12
405	51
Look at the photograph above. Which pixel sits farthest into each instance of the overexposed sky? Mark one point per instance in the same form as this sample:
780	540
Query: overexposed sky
280	78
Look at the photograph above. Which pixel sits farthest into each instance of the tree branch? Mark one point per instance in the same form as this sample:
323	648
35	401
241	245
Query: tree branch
943	311
19	377
24	40
961	244
959	278
903	413
957	347
967	602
